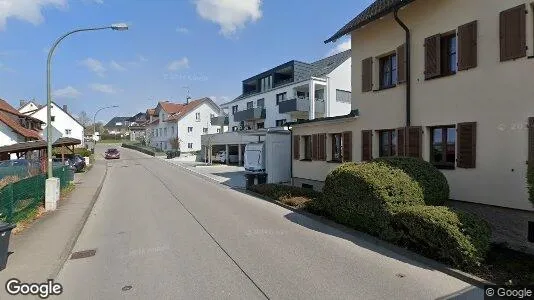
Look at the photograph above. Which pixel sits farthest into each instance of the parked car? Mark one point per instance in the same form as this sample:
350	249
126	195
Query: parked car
112	153
58	162
221	157
76	161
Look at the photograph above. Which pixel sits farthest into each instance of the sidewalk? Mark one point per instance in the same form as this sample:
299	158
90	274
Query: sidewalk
39	252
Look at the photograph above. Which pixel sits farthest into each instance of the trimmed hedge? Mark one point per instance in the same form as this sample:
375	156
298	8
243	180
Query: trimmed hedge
432	181
140	148
278	191
365	195
452	237
530	182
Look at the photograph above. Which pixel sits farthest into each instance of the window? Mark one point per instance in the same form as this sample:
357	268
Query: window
307	186
190	145
160	132
307	147
280	97
212	116
388	71
52	118
266	83
448	55
234	128
234	109
165	145
342	96
387	143
336	148
172	130
260	125
443	148
260	102
165	131
189	129
280	123
218	130
68	131
197	116
205	130
250	105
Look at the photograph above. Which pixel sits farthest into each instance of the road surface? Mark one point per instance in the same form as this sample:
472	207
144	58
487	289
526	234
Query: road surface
163	233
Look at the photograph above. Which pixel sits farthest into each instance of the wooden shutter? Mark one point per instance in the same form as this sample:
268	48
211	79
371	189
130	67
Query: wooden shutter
531	140
347	146
415	142
466	138
401	63
433	56
367	145
314	146
322	146
367	75
513	36
400	141
467	46
296	147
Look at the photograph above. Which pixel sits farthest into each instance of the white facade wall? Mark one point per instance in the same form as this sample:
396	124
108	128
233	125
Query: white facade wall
28	108
8	136
62	126
339	79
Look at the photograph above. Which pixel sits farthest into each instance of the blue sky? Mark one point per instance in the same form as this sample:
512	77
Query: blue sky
208	45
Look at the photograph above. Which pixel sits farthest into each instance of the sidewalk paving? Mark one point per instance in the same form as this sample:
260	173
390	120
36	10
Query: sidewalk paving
39	252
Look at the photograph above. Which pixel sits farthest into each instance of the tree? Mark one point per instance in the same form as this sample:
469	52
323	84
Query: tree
84	119
175	143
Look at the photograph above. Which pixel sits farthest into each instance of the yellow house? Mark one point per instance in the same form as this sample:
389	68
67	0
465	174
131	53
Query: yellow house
451	81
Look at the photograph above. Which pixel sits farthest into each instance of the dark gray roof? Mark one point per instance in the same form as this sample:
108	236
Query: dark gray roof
318	68
378	9
353	114
115	120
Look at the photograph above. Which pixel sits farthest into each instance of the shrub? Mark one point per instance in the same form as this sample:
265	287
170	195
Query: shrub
432	181
452	237
364	195
139	148
83	152
530	181
279	191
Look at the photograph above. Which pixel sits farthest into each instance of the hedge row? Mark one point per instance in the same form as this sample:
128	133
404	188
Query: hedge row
278	191
140	148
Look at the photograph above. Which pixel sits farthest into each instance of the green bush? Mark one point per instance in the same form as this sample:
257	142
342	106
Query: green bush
278	191
432	181
530	181
83	152
452	237
139	148
364	195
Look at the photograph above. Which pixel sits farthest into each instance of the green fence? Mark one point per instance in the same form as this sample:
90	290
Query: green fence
65	175
18	171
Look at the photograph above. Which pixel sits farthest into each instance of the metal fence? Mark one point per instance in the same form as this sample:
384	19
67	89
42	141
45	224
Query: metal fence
19	199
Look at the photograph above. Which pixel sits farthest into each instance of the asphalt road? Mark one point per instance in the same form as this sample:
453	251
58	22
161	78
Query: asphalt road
162	233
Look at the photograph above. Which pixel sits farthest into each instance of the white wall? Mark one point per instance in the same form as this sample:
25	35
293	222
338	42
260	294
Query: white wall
340	79
28	108
189	120
8	136
61	123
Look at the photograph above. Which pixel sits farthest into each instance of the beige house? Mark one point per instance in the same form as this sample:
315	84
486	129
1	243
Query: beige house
450	81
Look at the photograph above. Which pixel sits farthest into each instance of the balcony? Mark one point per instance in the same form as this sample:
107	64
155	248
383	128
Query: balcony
300	105
250	114
219	121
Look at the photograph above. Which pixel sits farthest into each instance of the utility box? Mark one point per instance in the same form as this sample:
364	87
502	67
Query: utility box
269	160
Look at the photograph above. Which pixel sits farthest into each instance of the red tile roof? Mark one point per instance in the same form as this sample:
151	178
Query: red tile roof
185	108
170	107
151	112
15	125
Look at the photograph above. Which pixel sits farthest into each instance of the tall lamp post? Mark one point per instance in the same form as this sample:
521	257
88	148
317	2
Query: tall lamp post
94	118
118	27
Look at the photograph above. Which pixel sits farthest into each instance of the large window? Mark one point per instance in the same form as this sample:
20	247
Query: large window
443	148
342	96
388	71
266	83
448	54
250	105
280	123
387	143
280	97
234	109
336	147
307	147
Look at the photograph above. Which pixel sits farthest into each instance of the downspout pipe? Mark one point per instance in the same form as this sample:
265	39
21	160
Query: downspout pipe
408	71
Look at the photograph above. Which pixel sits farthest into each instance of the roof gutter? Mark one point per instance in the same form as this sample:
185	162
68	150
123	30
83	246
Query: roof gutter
408	71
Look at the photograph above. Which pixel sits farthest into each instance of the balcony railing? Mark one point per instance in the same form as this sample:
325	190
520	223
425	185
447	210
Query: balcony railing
300	105
250	114
219	121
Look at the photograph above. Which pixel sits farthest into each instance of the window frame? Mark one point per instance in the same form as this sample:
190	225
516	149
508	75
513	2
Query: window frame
284	98
258	125
280	122
250	105
388	58
189	145
393	143
205	130
189	129
445	53
332	150
307	141
262	102
444	139
235	109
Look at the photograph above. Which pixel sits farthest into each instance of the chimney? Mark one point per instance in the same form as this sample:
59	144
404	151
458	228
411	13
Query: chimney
65	108
22	103
187	99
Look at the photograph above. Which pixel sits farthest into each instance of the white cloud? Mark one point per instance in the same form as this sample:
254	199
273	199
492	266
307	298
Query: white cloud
103	88
67	92
340	47
182	63
116	66
230	15
182	30
94	65
139	60
26	10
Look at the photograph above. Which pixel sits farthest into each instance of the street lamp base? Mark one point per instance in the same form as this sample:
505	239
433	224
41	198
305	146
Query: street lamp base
52	188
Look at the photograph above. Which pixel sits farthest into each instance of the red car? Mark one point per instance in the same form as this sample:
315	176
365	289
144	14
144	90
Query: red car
112	153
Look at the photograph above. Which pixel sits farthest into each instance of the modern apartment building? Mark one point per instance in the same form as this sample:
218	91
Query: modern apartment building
448	81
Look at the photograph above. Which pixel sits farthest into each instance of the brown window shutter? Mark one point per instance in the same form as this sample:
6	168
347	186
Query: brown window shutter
513	36
296	147
401	63
367	145
415	141
467	46
347	146
433	56
367	75
322	147
466	139
400	141
314	146
531	140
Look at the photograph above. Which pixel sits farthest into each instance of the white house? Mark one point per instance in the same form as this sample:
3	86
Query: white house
28	108
185	121
63	123
16	127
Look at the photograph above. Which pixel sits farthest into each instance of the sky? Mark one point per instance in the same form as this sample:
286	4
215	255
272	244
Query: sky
172	48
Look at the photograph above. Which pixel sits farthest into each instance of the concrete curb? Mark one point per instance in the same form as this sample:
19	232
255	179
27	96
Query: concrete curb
78	230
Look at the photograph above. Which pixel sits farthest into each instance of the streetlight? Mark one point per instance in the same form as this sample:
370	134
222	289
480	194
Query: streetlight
117	27
94	118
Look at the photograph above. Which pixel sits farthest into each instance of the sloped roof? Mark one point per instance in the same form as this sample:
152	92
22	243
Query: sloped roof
116	120
170	107
151	112
4	106
32	112
15	125
185	108
378	9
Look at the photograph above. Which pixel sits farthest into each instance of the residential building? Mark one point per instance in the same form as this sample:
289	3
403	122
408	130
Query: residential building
118	125
27	107
137	128
183	121
63	123
16	127
455	92
282	94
